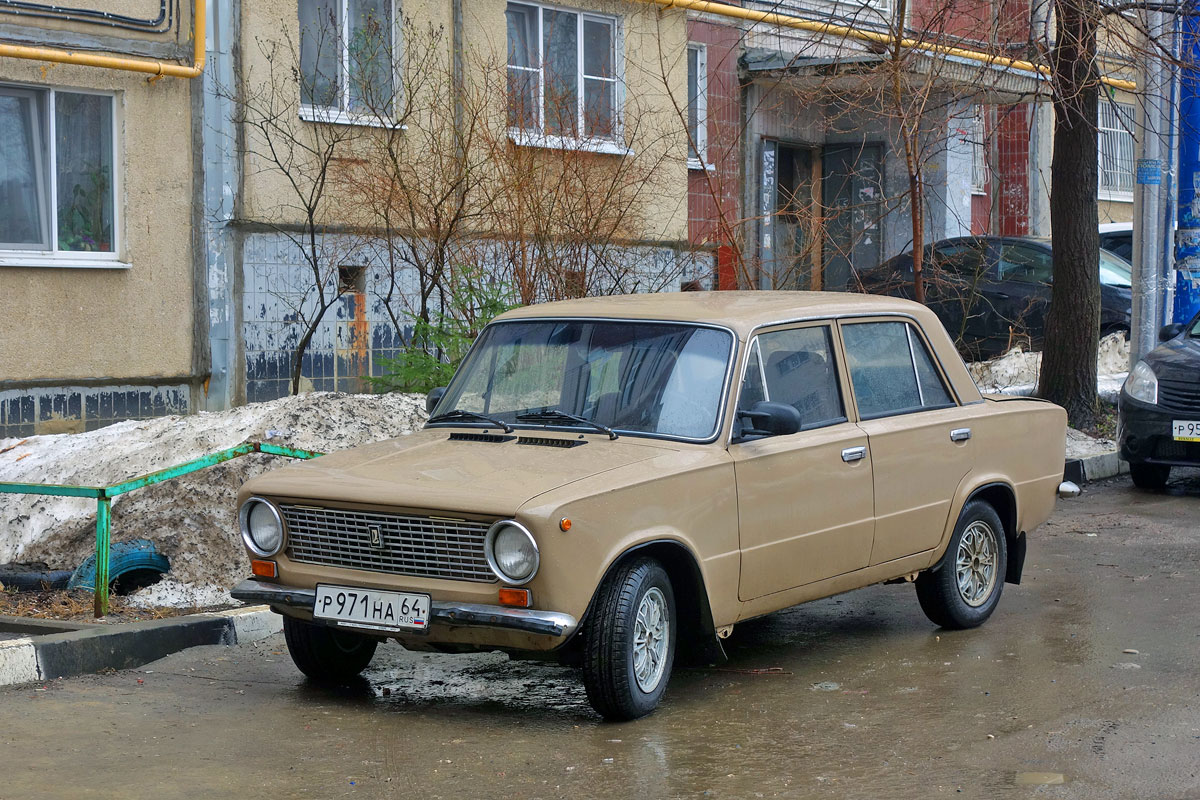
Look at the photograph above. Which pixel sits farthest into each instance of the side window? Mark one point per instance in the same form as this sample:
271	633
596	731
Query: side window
795	367
1025	264
964	259
891	370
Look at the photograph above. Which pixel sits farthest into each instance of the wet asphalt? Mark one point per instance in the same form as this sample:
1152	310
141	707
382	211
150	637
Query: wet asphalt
1084	684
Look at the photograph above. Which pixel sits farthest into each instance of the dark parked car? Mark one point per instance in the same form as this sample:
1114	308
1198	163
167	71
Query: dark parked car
1117	237
992	292
1159	420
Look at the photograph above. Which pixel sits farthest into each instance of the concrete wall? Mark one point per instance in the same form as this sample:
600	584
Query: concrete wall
83	337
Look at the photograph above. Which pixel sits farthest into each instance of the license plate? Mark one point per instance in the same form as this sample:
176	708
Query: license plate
372	608
1185	430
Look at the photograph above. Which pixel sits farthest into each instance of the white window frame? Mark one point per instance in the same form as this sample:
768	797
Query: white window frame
614	144
700	135
1114	124
71	259
340	116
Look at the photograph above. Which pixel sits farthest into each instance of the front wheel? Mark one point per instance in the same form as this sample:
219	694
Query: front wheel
963	589
630	641
325	654
1150	476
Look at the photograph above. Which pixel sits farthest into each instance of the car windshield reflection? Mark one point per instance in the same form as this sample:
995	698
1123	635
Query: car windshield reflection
662	379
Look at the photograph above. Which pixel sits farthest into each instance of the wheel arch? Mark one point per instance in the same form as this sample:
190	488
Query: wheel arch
697	640
1002	497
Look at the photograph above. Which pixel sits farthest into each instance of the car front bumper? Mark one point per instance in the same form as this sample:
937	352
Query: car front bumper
463	615
1144	435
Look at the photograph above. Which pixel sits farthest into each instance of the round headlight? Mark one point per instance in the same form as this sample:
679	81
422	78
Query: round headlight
511	552
262	527
1142	383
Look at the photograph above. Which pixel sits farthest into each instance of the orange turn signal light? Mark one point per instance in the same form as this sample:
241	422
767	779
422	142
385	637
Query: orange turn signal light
564	524
264	569
521	598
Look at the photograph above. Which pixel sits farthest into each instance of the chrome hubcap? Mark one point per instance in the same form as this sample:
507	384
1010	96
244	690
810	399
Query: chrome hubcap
976	563
651	634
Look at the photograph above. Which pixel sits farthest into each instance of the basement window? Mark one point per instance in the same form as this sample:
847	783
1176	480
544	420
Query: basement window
352	279
58	171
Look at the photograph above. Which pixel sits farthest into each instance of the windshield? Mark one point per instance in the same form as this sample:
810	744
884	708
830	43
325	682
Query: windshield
1115	271
639	377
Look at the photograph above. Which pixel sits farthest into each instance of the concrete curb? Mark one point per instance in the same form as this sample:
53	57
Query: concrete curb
1095	467
100	647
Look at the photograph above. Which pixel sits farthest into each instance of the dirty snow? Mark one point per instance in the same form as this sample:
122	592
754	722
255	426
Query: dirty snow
1016	372
191	519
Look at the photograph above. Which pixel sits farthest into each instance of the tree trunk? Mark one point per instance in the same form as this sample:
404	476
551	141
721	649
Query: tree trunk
1072	329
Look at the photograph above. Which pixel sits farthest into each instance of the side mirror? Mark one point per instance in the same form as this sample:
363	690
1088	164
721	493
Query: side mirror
1167	332
433	398
771	419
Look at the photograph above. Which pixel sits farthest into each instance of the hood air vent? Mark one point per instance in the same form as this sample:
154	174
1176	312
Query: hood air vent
494	438
546	441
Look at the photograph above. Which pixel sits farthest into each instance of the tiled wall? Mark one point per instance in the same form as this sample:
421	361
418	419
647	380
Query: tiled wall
713	194
70	409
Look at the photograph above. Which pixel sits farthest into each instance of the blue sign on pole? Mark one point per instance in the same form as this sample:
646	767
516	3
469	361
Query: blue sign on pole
1149	172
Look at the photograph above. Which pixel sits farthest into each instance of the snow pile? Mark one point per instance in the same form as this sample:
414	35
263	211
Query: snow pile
1016	372
192	518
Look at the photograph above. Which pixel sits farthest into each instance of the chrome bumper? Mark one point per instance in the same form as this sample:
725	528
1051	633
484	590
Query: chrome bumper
475	615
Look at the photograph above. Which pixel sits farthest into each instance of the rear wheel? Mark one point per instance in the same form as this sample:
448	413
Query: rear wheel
965	586
325	654
1150	476
630	641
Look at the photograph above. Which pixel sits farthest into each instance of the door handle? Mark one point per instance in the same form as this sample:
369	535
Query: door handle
854	454
960	434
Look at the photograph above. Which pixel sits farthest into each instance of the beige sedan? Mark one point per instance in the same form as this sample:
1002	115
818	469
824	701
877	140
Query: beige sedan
612	481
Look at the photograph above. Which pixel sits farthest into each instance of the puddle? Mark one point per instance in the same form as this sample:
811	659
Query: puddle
1040	779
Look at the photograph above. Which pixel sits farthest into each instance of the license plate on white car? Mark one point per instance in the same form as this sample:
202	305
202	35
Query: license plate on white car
372	608
1185	430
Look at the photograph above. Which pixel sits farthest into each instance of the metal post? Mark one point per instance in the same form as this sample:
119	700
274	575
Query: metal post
1149	199
103	529
1187	238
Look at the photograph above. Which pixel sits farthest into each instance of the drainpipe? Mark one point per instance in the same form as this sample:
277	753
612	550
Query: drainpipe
155	69
863	35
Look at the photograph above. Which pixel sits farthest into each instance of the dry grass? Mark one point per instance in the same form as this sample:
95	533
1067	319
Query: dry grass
77	605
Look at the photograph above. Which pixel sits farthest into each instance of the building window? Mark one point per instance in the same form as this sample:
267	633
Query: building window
57	174
974	135
697	109
346	60
1116	147
562	74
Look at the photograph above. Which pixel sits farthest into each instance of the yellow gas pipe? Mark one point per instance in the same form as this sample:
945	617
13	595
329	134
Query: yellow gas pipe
155	69
787	21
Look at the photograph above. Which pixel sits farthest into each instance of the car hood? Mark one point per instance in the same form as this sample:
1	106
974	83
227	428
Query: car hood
1178	359
435	470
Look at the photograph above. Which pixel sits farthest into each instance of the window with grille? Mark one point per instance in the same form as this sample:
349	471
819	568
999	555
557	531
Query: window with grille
1116	148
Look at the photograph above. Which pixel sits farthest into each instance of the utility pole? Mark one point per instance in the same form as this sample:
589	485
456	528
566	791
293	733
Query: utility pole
1150	258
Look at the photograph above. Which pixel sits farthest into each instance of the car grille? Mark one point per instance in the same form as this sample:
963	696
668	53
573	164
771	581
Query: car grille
1181	396
1170	450
423	547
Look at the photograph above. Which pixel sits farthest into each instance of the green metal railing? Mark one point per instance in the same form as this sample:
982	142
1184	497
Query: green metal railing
104	495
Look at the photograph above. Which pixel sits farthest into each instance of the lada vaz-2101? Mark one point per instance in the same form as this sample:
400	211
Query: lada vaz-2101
612	481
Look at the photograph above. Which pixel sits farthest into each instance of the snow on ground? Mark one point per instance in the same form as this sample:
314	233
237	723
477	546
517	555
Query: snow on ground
1016	372
192	518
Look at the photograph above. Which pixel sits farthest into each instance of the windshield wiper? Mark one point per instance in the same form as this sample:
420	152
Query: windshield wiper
554	415
459	413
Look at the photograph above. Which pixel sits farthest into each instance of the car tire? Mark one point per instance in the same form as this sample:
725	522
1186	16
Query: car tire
962	590
327	655
629	645
1150	476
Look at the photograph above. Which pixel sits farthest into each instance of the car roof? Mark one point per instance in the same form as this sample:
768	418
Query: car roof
1116	227
740	310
